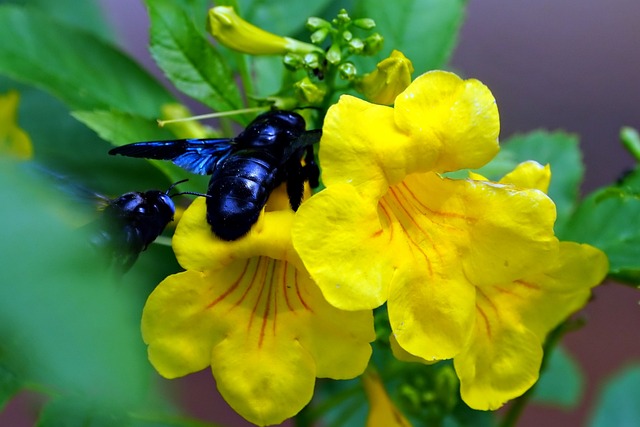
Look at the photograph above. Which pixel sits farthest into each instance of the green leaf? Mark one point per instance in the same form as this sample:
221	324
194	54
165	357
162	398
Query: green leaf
75	325
86	15
10	383
558	149
618	403
188	59
66	146
81	412
607	219
121	128
76	66
426	31
561	382
281	18
631	140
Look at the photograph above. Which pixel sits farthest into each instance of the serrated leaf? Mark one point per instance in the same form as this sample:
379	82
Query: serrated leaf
188	59
607	219
561	382
560	150
618	403
426	31
77	67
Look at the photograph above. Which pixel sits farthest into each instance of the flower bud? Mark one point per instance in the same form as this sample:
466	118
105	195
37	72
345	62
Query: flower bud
237	34
391	76
373	44
333	54
364	23
314	24
356	45
14	141
310	92
347	71
319	35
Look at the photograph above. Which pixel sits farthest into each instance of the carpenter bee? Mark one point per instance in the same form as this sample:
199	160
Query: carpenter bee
128	224
244	170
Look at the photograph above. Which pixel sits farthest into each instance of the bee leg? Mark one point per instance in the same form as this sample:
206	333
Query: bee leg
311	169
295	183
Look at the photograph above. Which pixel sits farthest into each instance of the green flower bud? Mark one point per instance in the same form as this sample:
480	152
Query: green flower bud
347	71
334	55
346	35
311	60
314	24
373	44
310	92
319	35
342	18
292	61
356	45
364	23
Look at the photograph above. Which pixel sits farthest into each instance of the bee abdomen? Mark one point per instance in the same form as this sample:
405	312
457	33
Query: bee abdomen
237	195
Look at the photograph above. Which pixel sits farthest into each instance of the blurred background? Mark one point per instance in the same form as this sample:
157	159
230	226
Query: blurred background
570	65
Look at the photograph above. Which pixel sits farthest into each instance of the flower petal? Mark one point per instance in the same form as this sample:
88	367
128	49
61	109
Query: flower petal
265	329
440	122
346	247
503	358
529	174
431	319
547	298
459	115
197	248
501	362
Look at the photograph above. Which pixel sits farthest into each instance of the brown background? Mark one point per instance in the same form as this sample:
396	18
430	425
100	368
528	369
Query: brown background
571	65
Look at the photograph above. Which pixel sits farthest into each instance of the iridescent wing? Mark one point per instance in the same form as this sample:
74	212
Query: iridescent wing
200	156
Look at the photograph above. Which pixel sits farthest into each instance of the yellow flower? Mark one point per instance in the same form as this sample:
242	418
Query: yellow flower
249	310
14	141
391	76
237	34
382	411
470	269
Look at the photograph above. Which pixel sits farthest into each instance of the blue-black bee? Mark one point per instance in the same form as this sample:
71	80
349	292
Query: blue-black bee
245	169
129	223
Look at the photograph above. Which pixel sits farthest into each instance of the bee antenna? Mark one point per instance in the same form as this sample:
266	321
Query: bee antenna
172	186
193	193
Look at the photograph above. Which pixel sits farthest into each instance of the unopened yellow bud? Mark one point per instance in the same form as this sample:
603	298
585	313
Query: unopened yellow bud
237	34
14	141
391	76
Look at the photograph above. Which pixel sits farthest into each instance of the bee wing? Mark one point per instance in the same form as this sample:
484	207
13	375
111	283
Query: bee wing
199	156
306	139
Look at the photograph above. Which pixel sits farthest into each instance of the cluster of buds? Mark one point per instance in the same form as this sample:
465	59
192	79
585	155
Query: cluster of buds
340	43
324	60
